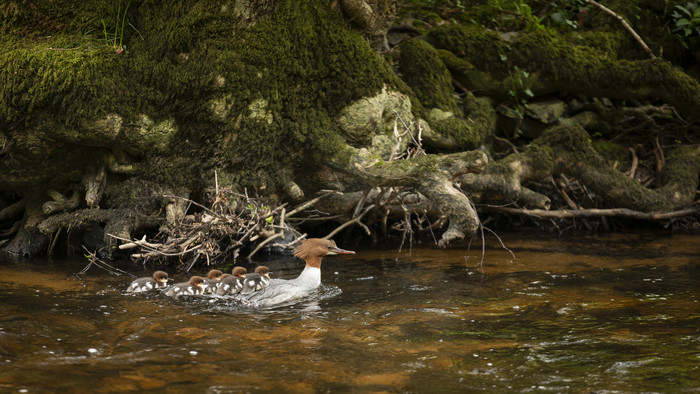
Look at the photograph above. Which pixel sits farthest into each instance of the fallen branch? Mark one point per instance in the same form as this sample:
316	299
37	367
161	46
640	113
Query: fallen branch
355	220
134	244
265	242
581	213
311	202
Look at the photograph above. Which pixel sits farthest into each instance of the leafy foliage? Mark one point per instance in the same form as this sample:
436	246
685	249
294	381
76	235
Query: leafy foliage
687	19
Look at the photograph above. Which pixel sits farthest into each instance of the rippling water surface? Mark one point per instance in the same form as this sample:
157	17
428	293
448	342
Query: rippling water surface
606	314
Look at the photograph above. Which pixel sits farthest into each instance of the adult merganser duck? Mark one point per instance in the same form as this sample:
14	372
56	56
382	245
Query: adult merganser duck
212	281
158	281
257	281
234	283
312	251
194	287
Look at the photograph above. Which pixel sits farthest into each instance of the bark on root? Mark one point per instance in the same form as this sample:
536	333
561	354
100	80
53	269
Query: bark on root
430	175
567	150
121	222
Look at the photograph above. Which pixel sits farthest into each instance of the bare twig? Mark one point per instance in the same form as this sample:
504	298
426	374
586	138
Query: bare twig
506	141
265	242
565	196
190	201
311	202
92	256
501	241
349	222
660	162
635	163
625	25
52	244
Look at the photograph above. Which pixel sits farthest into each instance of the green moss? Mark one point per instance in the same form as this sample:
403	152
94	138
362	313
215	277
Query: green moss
557	64
481	47
612	152
190	54
47	75
423	70
681	171
454	63
316	68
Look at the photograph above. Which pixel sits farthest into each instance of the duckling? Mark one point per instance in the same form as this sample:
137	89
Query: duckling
158	281
257	281
194	287
234	283
212	281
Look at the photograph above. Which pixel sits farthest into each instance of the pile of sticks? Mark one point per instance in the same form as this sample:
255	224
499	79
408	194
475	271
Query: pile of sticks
219	233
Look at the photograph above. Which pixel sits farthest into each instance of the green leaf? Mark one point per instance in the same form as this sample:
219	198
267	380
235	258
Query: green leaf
685	11
529	92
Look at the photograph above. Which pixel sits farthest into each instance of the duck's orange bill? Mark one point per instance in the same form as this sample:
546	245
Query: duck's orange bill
342	251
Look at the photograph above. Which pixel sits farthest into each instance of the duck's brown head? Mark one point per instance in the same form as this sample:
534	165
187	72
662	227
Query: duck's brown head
160	276
313	249
239	272
262	270
214	274
224	276
197	281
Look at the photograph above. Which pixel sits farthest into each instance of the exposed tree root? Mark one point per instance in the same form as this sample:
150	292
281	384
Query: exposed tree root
12	211
122	222
431	175
567	150
60	203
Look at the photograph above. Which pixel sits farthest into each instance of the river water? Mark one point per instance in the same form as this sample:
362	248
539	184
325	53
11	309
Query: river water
614	313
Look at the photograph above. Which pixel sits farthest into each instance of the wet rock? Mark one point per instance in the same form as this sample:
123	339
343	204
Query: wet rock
509	36
547	111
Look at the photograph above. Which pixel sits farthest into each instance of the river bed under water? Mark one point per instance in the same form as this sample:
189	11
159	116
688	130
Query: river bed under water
614	313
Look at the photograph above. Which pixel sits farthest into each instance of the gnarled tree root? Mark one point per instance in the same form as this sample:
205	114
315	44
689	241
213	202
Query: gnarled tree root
430	175
60	203
121	222
567	150
28	241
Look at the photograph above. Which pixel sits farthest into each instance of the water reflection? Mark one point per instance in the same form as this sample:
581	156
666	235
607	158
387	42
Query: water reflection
594	314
